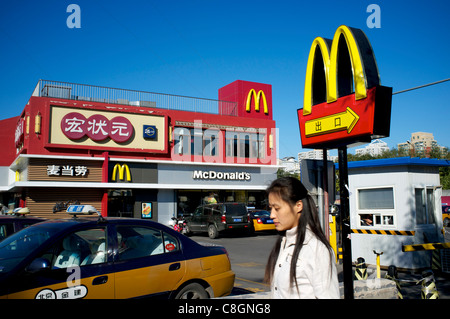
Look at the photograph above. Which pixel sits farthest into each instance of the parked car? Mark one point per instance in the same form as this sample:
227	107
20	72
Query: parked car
110	258
216	218
12	223
261	220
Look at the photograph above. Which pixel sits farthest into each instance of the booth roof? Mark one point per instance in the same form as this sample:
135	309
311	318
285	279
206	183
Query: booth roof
397	161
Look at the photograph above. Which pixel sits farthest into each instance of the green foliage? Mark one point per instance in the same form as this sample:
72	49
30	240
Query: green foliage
283	173
444	172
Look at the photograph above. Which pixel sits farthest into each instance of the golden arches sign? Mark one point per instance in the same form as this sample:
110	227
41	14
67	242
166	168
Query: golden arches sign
122	170
257	97
363	65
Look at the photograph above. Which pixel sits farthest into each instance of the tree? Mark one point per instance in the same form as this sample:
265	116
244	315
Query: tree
435	152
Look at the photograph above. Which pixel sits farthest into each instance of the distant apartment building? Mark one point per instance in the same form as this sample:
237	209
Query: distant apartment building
289	165
376	148
316	154
421	144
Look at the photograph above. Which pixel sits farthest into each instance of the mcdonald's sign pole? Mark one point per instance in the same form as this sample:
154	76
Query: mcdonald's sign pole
345	223
344	104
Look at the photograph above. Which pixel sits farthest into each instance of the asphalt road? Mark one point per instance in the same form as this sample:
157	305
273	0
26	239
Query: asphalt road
248	256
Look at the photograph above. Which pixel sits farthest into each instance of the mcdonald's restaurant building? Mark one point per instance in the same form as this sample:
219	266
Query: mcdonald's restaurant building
137	154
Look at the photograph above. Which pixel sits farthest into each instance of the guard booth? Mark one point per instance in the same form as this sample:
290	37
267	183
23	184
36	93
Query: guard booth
395	202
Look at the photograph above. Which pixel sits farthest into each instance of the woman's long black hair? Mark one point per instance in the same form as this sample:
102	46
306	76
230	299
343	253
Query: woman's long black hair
291	190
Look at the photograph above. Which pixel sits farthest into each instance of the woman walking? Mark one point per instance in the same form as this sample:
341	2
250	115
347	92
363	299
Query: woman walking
301	264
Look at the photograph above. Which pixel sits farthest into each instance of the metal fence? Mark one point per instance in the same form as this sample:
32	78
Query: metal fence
83	92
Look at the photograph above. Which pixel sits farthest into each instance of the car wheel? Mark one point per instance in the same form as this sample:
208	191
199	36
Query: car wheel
212	231
192	291
446	222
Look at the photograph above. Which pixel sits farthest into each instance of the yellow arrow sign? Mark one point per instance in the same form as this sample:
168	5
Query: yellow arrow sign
332	123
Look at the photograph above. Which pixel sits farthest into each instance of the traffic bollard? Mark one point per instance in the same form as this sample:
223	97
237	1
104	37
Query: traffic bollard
378	263
429	290
361	269
393	275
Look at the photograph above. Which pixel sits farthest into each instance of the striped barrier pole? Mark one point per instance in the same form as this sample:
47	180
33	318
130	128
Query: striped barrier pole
429	246
384	232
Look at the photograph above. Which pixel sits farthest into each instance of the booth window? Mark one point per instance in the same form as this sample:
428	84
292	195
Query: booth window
376	206
424	206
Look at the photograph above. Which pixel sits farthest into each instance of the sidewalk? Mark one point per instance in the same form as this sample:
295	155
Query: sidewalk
373	288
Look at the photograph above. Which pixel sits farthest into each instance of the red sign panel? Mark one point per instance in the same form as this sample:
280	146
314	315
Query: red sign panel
344	102
347	120
254	100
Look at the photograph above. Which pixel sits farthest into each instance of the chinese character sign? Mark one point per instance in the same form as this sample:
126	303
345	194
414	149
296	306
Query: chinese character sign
66	170
97	127
121	129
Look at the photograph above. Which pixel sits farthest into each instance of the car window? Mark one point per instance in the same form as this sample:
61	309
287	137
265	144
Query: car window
198	211
18	246
262	213
138	242
80	248
207	211
170	243
6	230
235	210
216	210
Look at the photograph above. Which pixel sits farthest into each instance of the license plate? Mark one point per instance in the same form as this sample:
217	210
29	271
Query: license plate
269	221
237	219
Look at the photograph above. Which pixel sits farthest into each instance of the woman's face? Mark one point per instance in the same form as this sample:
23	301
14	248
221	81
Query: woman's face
285	215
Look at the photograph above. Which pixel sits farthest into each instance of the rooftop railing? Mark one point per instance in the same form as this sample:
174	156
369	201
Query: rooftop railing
83	92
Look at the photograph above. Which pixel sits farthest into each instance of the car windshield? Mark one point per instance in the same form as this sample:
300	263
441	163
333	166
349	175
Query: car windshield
235	210
18	246
261	213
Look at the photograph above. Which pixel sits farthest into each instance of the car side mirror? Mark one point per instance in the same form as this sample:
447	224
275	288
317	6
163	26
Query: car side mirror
37	265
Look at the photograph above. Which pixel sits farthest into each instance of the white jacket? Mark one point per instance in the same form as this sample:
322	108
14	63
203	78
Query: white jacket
316	276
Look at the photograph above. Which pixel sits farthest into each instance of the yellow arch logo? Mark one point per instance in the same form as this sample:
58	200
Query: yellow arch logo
363	66
122	170
257	97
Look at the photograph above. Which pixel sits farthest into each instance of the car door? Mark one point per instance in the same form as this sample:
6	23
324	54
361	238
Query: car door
78	265
206	218
196	219
149	262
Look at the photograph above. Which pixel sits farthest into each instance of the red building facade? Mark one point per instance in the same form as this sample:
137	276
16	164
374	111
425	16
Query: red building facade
137	154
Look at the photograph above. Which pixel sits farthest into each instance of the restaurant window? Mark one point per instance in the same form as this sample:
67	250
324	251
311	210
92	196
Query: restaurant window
210	142
190	141
246	145
182	137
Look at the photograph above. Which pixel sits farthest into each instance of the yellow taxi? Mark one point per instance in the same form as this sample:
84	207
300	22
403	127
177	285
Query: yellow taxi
110	258
261	220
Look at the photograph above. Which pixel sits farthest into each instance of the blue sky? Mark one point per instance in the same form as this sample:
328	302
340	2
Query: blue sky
194	47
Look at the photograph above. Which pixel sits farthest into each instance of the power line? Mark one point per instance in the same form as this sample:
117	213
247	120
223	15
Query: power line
421	86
